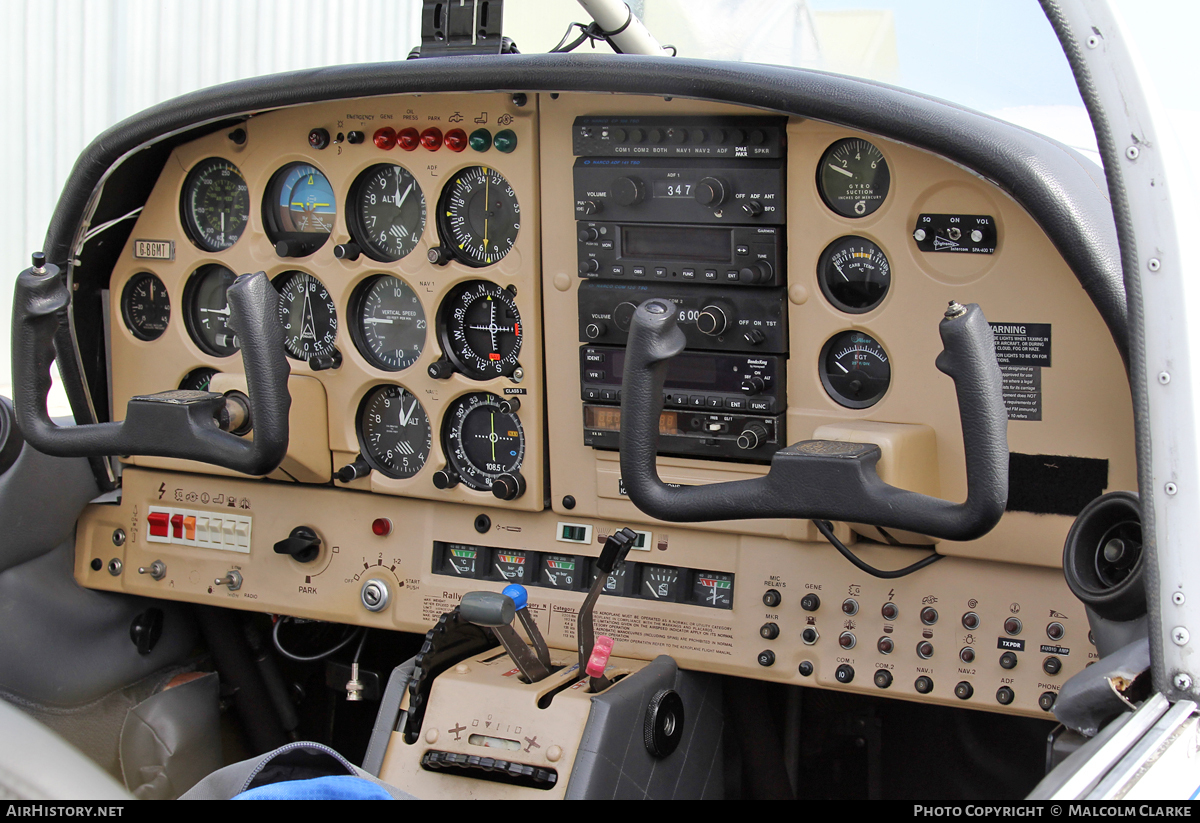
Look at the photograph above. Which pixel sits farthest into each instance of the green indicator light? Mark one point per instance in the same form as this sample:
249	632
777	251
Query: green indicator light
506	141
480	140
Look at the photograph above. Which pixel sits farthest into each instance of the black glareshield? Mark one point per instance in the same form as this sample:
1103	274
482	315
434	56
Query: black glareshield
176	423
818	479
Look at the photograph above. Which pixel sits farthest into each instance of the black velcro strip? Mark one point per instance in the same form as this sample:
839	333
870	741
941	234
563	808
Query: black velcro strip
1054	483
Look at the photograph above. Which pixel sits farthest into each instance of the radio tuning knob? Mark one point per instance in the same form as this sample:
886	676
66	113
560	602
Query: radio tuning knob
757	272
751	437
589	266
628	191
712	321
588	234
595	330
446	478
623	315
711	191
509	486
753	385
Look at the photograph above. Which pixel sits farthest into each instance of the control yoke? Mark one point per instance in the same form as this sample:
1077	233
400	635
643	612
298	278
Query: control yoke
822	479
178	423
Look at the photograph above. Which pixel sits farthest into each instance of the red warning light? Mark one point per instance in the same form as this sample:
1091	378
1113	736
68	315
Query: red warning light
385	138
382	527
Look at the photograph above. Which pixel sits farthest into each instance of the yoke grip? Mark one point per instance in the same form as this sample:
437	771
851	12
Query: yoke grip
177	423
817	479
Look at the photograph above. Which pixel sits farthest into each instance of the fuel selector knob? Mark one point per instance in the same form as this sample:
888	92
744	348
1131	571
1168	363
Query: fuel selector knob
752	437
712	321
509	486
711	191
628	191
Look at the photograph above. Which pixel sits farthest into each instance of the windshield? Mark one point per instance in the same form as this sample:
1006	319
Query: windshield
997	56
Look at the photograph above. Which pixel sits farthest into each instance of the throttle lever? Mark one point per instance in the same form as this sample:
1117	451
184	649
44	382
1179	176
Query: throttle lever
822	479
175	423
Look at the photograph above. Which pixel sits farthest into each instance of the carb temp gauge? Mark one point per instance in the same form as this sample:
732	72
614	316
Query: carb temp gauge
855	369
393	431
480	329
478	216
854	274
853	177
482	441
146	306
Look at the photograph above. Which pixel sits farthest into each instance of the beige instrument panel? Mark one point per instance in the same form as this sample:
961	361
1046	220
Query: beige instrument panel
1010	573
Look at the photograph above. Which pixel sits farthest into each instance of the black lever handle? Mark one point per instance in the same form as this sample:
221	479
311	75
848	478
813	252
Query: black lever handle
175	423
820	479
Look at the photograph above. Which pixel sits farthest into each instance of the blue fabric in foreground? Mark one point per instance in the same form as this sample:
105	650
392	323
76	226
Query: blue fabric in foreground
332	787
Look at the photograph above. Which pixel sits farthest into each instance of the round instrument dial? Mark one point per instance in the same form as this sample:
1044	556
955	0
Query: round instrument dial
855	369
206	310
481	441
854	274
478	216
393	431
480	329
388	322
386	212
198	379
215	205
299	209
146	306
853	177
307	314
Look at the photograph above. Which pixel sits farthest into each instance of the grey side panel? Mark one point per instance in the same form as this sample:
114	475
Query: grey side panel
40	500
63	645
172	740
37	764
613	762
388	716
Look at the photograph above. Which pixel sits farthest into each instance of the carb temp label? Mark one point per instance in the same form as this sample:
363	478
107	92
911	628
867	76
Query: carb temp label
1022	350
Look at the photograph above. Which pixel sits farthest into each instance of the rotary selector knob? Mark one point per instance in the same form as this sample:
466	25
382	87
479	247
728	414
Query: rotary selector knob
753	385
757	272
711	191
588	233
591	207
712	321
589	266
628	191
509	486
752	436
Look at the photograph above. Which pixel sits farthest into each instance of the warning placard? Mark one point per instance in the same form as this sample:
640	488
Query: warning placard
1022	344
1022	350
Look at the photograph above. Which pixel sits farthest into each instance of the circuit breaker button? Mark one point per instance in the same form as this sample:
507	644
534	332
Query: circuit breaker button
189	527
177	526
158	523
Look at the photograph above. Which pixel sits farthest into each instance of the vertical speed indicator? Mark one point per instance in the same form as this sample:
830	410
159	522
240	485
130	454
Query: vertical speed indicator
478	216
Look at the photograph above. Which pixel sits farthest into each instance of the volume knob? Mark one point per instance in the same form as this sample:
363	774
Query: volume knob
711	191
628	191
712	321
